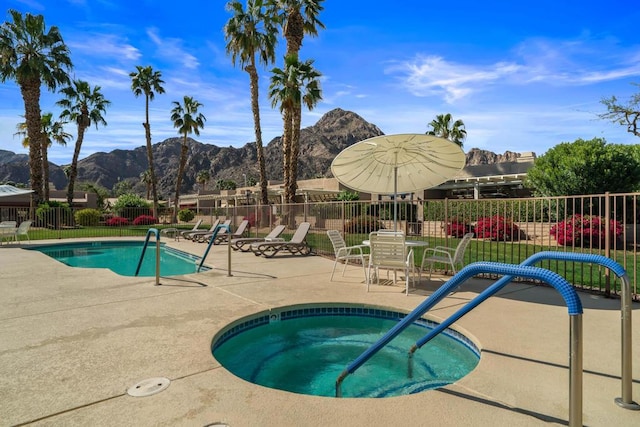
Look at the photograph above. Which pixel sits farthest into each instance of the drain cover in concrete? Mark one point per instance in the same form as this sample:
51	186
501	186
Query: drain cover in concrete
148	387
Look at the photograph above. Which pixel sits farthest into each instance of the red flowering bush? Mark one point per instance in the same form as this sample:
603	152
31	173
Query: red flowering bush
585	231
457	228
145	220
497	228
117	221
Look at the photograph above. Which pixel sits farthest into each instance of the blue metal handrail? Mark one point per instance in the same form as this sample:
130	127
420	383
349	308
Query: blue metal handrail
626	401
572	300
144	249
214	234
567	292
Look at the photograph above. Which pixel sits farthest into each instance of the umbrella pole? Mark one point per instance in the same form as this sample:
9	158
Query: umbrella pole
395	197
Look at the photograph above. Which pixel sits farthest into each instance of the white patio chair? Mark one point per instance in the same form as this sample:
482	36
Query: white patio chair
23	230
446	255
389	251
345	253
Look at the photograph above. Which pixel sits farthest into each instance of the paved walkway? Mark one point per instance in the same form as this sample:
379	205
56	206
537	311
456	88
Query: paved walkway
72	341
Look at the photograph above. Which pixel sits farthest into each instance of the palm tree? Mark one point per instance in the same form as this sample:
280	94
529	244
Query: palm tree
297	84
250	33
83	106
53	132
297	18
443	127
187	120
31	56
202	177
145	177
145	81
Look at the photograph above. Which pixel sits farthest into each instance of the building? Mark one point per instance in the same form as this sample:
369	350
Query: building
498	180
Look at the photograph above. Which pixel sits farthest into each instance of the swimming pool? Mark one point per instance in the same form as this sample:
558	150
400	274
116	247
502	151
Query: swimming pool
122	257
303	349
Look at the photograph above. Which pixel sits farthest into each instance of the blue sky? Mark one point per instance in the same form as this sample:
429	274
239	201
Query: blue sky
523	76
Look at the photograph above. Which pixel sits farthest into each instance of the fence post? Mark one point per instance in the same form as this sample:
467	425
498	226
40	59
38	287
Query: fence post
607	241
446	220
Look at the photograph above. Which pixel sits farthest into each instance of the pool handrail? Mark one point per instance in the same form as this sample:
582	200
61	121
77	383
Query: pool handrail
214	234
144	249
568	293
626	399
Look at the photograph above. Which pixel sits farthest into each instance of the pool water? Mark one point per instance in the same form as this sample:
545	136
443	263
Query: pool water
307	354
122	258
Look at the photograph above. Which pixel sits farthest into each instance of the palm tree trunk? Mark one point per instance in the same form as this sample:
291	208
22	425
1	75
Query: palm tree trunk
30	90
255	108
154	181
183	161
295	150
286	151
73	172
45	171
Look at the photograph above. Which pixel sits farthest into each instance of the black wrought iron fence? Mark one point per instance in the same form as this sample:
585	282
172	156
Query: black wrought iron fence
505	230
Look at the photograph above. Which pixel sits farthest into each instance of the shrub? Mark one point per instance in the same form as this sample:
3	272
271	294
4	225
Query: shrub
497	228
117	221
145	220
457	228
87	217
585	231
131	206
362	225
186	215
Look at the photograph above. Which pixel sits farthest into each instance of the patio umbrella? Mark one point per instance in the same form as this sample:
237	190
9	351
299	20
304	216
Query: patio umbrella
396	164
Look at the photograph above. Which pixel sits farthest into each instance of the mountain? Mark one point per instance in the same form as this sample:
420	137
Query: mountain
319	144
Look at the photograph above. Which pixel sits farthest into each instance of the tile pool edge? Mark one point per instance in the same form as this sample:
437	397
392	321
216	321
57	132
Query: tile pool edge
289	312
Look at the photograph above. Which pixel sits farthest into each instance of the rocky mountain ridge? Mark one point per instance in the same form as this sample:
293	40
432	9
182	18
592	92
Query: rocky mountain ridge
319	144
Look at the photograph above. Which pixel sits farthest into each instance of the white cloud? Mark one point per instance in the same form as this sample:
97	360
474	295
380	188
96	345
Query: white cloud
171	49
434	76
574	62
104	46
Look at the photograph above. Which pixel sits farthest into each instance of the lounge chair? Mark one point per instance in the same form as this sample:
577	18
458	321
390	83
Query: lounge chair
244	243
204	236
223	236
195	228
297	244
195	235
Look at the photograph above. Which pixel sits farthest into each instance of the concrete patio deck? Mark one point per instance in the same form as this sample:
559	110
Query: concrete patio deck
72	341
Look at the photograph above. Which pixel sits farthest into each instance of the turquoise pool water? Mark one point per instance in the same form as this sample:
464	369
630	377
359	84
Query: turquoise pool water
122	257
306	352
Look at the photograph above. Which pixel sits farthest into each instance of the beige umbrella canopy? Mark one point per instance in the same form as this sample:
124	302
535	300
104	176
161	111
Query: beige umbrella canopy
396	164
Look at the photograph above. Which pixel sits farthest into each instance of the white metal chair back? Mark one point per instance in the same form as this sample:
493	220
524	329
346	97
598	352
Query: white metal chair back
389	251
345	253
337	241
445	255
458	256
23	230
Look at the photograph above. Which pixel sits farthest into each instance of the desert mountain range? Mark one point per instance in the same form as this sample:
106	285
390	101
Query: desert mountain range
319	144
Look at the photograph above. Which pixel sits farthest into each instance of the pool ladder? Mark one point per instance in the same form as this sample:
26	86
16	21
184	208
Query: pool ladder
144	249
206	252
525	270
